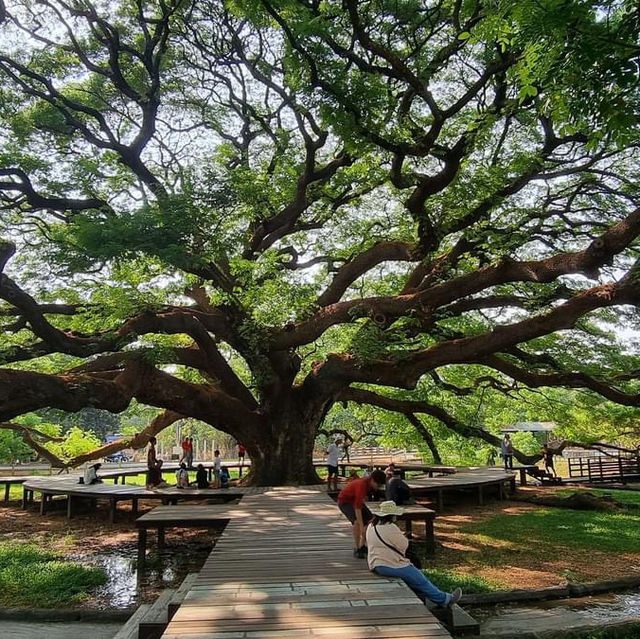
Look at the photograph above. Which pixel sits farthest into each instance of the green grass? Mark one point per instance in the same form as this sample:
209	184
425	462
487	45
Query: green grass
448	580
30	576
546	528
624	497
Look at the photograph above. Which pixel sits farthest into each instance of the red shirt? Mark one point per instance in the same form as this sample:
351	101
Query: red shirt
355	492
241	449
185	445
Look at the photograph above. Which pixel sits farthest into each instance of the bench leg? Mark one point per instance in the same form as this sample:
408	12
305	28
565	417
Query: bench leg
430	535
142	547
480	496
43	503
160	537
134	506
523	477
513	485
7	490
25	498
440	500
112	510
69	507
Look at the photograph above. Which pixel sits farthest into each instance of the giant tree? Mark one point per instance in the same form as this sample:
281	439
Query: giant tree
244	213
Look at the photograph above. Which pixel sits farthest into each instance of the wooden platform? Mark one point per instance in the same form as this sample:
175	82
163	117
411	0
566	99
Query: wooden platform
286	569
479	480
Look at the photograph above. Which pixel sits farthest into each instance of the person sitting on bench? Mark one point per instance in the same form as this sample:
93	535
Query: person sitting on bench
386	557
397	490
224	477
202	481
154	476
91	474
182	476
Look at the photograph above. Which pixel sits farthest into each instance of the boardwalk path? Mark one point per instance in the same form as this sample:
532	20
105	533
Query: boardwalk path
287	571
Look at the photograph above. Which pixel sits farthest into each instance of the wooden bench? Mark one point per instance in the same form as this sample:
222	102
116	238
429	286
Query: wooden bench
130	629
11	481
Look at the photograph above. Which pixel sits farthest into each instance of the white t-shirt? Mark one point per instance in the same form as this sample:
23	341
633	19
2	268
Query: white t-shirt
379	554
90	474
217	463
333	453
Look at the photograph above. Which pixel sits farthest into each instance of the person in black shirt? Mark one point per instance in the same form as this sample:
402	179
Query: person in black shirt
397	490
202	481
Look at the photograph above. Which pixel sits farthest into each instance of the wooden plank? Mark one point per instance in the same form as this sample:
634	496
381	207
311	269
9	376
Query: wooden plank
288	570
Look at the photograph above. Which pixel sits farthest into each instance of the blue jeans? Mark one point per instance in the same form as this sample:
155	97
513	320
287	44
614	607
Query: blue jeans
417	581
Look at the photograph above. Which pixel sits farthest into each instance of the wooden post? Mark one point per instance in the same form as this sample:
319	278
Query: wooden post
160	537
429	533
480	496
142	546
43	503
7	489
112	509
69	506
134	506
440	500
25	498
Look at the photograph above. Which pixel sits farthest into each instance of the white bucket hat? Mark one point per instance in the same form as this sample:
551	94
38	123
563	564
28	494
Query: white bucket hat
389	508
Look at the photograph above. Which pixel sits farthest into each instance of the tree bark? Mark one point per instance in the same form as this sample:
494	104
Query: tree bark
281	452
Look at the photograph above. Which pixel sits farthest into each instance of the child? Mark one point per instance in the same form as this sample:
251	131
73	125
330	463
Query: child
224	477
182	476
217	465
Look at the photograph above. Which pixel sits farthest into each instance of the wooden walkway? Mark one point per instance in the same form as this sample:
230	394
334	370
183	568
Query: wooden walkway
284	569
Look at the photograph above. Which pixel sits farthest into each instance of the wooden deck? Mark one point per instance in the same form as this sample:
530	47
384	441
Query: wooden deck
284	569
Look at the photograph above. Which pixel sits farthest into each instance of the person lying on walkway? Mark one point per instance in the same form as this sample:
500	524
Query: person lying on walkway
351	502
386	557
398	490
202	480
182	476
91	474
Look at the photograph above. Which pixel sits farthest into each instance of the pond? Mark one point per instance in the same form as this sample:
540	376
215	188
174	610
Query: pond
563	613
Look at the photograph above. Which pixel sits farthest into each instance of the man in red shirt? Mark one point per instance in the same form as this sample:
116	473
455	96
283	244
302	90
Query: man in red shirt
351	502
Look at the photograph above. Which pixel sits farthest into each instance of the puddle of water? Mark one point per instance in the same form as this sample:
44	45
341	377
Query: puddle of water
568	613
126	588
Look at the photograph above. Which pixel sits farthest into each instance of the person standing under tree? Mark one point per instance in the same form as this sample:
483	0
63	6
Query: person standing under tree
333	453
185	449
217	466
507	451
190	453
241	453
548	461
351	503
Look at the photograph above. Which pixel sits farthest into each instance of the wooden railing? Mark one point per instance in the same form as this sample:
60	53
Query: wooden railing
605	468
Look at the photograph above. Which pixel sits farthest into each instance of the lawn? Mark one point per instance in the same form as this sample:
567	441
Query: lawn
505	546
624	497
550	528
30	576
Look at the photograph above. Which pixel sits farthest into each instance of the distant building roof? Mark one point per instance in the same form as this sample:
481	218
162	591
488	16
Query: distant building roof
530	427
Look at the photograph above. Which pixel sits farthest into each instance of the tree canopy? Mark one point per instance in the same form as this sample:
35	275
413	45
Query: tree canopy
245	212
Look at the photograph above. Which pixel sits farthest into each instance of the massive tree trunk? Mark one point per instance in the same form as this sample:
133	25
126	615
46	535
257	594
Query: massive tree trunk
282	450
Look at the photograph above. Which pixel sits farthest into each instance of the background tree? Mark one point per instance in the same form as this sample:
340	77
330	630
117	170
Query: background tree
243	214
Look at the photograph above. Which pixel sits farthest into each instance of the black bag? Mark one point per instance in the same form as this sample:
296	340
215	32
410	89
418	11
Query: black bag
410	554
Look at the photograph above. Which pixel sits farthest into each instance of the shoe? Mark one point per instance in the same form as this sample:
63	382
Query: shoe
361	553
456	595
